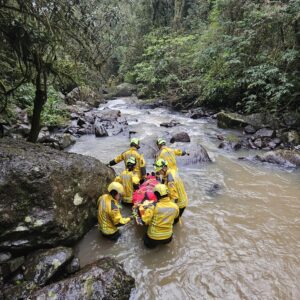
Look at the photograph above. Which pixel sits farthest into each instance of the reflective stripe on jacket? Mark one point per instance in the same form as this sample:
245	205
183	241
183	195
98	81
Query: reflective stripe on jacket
127	179
160	219
176	188
109	215
140	168
168	154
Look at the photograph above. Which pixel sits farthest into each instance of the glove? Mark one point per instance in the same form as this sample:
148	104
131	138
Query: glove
127	220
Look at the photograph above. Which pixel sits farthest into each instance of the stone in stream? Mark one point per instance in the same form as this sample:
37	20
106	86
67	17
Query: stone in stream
103	279
42	265
180	137
100	130
47	196
172	123
281	157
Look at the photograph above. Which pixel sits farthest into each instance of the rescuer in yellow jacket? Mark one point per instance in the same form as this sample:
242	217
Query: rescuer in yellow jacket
140	167
160	218
129	180
175	185
109	215
168	154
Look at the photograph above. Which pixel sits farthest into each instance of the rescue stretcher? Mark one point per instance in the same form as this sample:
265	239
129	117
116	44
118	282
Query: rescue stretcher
144	198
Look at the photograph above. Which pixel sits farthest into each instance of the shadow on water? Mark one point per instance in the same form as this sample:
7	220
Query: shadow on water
239	237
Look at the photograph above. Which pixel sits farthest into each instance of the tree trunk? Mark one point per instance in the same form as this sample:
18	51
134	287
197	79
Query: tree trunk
39	101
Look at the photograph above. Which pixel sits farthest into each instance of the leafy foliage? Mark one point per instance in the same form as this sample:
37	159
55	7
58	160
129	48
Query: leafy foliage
227	53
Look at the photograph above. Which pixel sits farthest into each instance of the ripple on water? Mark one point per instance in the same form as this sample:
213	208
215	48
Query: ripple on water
241	241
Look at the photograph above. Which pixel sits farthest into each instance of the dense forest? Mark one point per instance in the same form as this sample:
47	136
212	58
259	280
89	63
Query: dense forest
236	54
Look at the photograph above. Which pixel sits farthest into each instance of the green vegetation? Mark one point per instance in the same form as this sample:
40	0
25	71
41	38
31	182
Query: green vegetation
241	55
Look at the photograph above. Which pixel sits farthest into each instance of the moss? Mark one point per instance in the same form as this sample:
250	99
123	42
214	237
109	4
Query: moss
88	287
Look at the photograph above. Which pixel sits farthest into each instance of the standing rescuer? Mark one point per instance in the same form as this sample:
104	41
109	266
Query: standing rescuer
140	167
168	154
175	185
160	218
129	180
109	215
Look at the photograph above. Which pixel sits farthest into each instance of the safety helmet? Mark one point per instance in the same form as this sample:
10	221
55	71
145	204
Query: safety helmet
116	186
161	189
159	164
135	141
160	141
131	161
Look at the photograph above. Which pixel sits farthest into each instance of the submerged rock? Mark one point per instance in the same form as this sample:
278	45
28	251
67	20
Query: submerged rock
104	279
42	265
46	196
172	123
281	157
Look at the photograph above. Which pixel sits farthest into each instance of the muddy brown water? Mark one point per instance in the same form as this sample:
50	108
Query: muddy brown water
239	241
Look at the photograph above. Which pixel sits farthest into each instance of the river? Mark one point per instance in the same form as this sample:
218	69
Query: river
241	241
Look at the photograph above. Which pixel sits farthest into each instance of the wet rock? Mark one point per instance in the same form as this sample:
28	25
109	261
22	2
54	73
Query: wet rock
265	133
85	95
47	196
291	137
22	130
230	120
16	292
172	123
234	120
197	154
10	266
81	122
281	157
249	129
74	116
104	279
230	145
258	143
100	130
4	256
108	115
180	137
197	113
73	266
124	90
42	265
213	189
292	119
57	141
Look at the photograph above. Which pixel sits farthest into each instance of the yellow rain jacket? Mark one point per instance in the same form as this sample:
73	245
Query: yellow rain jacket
168	154
109	215
140	168
127	179
176	188
160	219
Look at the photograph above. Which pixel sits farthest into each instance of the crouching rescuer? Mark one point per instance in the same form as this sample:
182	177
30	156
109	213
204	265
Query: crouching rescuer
160	218
109	215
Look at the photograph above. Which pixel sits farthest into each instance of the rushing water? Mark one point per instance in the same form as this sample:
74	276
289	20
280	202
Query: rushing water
239	242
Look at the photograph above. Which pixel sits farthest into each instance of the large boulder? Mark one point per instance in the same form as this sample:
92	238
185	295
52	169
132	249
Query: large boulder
104	279
281	157
230	120
235	120
47	196
80	94
124	90
180	137
42	265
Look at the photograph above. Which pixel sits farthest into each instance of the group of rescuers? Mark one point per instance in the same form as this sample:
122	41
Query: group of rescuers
170	192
